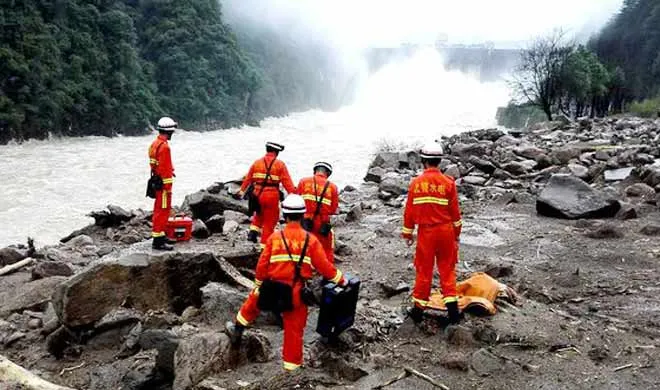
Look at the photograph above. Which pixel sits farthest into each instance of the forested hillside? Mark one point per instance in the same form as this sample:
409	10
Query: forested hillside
631	43
80	67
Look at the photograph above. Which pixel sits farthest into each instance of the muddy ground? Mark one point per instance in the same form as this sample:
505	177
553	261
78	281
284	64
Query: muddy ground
589	318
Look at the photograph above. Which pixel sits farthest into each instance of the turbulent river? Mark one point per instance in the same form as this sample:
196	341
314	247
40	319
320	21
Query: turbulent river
51	185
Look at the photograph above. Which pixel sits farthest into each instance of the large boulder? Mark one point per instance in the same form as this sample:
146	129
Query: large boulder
45	269
221	302
566	196
145	281
385	160
474	149
651	175
204	205
482	164
396	185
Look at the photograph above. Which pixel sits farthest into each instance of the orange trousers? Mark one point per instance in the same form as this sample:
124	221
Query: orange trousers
294	326
327	242
436	244
265	221
162	207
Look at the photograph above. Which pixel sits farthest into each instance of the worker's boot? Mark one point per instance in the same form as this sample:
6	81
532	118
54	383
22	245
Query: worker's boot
170	241
235	333
453	314
160	243
416	313
253	235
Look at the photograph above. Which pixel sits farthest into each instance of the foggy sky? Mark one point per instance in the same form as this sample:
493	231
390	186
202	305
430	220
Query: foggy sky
363	23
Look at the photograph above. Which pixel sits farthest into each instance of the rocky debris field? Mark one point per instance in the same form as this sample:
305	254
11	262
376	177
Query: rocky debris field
566	214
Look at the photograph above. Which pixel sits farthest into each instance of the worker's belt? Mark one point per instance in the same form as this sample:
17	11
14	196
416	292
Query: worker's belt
269	184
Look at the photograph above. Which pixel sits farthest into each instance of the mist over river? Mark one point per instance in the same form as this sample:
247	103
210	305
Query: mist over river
50	185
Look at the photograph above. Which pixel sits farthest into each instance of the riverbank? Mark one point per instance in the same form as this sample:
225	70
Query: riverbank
567	215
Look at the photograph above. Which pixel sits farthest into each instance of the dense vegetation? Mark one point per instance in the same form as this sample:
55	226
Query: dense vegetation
103	67
619	70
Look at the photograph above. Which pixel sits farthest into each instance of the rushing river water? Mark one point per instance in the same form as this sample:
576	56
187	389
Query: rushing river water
51	185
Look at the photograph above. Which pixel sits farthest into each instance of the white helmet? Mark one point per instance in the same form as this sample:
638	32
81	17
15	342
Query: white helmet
294	204
166	124
323	164
432	150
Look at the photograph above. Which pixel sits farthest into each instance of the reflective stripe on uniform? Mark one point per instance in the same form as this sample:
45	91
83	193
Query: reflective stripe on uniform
157	234
458	223
257	282
431	199
153	161
241	320
164	201
337	277
168	180
263	176
291	366
314	198
255	228
406	230
420	302
449	299
285	258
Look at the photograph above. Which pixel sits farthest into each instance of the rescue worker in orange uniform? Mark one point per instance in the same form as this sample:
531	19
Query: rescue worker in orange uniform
432	205
160	161
266	175
322	199
278	263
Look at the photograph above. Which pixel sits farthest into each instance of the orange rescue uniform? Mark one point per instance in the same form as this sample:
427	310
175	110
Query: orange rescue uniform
275	264
310	188
433	205
269	200
160	161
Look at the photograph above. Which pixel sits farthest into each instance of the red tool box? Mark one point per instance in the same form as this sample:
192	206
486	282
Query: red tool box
179	228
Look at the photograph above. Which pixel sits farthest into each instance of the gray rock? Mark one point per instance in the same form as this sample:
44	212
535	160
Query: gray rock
579	171
80	241
45	269
354	214
11	255
566	153
482	164
617	174
230	227
393	185
375	175
114	216
199	229
485	363
386	160
166	343
568	197
349	188
207	354
651	175
204	205
342	249
602	155
465	150
518	168
627	211
651	230
453	171
640	190
215	223
169	281
529	151
474	180
231	215
221	302
29	296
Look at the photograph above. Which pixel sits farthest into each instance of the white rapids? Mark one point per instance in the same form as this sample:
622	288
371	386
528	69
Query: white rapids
51	185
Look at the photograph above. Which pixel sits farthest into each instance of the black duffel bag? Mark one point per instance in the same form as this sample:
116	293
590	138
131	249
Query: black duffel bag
155	183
